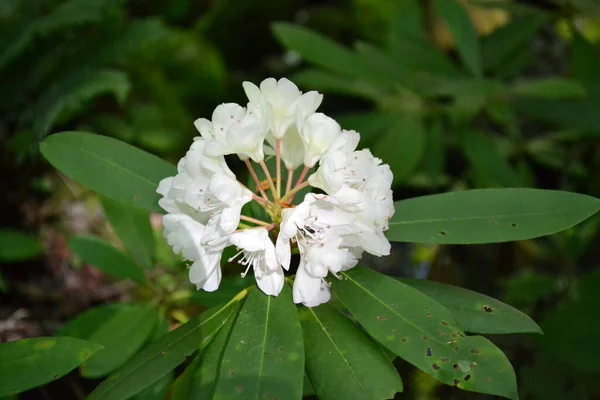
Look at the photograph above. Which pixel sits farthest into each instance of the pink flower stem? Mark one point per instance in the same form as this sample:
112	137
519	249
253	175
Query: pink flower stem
290	178
256	181
254	220
278	160
268	175
302	176
289	196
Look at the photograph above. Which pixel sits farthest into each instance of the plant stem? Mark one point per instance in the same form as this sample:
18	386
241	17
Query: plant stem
289	196
278	159
290	177
268	175
302	176
254	220
256	181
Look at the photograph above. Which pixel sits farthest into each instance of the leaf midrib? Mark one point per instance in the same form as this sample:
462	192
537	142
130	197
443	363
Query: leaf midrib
477	218
338	351
264	342
114	164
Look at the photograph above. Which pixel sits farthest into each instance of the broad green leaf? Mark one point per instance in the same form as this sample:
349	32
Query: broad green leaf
402	147
17	246
476	312
162	356
489	166
488	215
424	333
370	125
100	254
513	37
331	82
459	23
34	362
324	52
421	55
65	98
585	64
580	114
108	166
550	88
206	370
84	325
264	356
2	283
132	226
158	389
307	387
433	163
341	361
408	21
121	336
389	68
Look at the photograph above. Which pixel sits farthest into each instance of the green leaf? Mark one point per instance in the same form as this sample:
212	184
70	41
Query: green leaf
505	42
17	246
408	21
402	147
65	98
476	312
132	226
421	55
433	162
162	356
324	52
307	387
100	254
264	356
489	166
456	17
204	371
159	389
84	325
341	361
66	15
585	64
488	215
109	167
370	125
121	336
331	82
549	88
580	114
34	362
424	333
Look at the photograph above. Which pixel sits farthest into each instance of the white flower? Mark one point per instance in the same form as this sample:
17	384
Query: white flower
185	234
318	132
309	290
330	231
259	253
285	102
235	130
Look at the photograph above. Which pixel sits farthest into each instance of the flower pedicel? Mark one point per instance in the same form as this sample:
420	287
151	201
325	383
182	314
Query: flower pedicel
331	230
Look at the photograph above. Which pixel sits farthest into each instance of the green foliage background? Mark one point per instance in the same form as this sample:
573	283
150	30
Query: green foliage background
517	107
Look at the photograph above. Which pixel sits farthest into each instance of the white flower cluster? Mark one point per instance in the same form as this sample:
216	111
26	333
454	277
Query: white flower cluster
330	230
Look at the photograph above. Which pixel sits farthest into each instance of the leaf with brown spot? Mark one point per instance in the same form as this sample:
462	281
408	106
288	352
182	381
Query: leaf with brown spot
476	312
366	293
